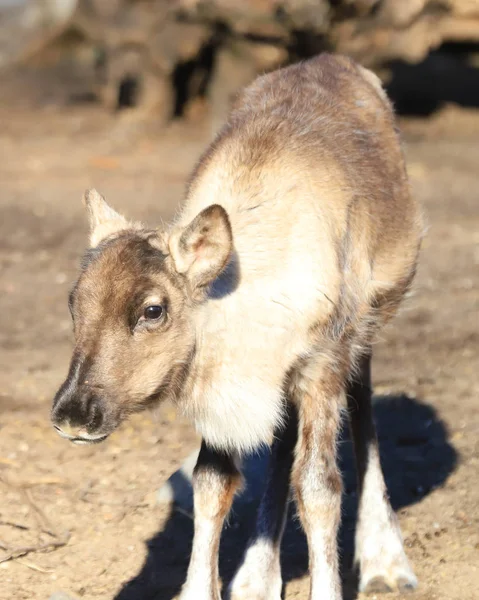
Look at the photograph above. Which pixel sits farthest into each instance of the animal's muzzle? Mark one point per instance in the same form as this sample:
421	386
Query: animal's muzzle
78	415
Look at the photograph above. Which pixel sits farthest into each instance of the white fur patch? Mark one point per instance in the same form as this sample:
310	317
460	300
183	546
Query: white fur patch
237	414
324	576
199	584
379	545
259	577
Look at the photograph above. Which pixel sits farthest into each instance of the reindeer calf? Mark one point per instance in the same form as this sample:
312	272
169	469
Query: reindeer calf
255	313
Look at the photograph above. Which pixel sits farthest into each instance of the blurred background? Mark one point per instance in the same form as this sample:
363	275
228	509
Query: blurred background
124	95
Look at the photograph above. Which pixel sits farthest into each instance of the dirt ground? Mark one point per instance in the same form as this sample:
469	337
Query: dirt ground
121	544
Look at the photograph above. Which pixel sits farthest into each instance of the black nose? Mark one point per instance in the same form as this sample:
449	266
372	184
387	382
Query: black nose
81	408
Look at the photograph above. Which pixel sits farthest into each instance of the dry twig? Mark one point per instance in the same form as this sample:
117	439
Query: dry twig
33	566
183	512
16	525
45	525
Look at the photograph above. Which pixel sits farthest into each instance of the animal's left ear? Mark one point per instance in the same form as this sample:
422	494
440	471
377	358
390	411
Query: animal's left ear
202	249
104	221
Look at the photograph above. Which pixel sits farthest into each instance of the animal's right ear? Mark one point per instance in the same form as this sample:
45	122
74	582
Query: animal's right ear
201	250
104	221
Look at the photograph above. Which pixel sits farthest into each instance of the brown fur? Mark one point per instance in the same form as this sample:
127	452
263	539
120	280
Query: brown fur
296	244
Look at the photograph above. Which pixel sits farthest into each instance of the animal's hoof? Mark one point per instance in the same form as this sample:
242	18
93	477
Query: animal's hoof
377	585
405	586
382	584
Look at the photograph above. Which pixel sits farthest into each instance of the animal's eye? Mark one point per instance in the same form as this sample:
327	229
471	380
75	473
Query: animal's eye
152	313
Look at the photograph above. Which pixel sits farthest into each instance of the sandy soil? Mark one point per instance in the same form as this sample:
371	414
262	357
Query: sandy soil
122	545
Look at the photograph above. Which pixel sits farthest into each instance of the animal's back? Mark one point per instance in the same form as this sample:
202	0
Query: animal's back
308	159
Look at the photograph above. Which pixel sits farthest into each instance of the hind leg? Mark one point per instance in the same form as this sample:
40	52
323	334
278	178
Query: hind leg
315	475
380	554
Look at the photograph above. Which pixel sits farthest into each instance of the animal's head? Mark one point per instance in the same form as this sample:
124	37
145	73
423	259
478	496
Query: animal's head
133	309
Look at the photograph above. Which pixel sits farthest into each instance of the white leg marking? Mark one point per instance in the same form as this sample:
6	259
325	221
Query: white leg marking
325	584
202	582
379	546
259	577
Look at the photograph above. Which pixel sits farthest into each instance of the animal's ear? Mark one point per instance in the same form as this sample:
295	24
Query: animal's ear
202	249
104	221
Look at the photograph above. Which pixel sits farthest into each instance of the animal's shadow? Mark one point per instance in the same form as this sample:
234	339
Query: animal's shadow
416	457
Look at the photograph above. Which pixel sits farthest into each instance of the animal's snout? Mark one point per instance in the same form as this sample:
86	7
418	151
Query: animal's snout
82	408
78	415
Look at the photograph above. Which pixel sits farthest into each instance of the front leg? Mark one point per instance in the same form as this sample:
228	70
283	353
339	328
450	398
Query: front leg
215	481
259	576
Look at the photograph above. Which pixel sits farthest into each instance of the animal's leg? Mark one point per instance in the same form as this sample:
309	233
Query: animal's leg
379	547
215	481
259	576
317	481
